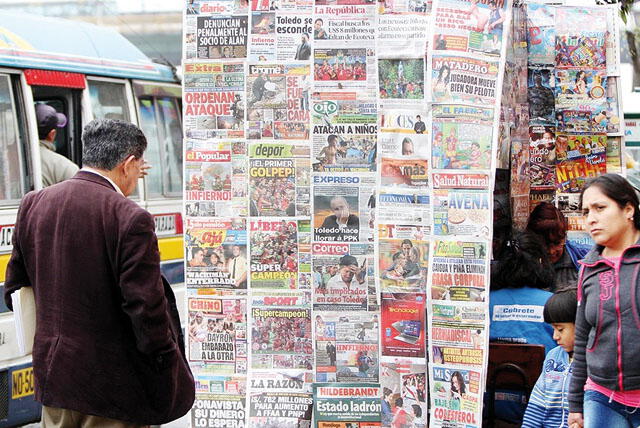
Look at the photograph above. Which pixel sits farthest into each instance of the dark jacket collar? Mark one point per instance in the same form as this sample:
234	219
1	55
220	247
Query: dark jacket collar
94	178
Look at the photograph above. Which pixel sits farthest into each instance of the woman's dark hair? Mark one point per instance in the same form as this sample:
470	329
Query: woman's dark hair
617	188
525	263
441	73
463	387
416	410
562	306
548	221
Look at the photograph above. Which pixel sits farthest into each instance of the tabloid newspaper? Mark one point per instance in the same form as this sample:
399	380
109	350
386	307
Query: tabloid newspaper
469	26
346	346
296	360
214	103
403	325
342	208
219	410
280	399
279	176
403	144
279	330
343	276
279	35
350	405
461	212
463	79
218	334
403	258
216	253
274	254
215	178
216	37
461	137
455	398
344	133
459	271
278	101
454	342
404	379
542	156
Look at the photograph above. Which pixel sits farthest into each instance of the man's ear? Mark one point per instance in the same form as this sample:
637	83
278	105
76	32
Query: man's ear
51	136
128	166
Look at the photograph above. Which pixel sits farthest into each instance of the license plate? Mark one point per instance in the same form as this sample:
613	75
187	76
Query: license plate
22	383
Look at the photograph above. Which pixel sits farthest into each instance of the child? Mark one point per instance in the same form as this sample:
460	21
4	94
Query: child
548	405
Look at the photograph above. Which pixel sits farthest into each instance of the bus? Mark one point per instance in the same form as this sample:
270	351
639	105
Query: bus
85	72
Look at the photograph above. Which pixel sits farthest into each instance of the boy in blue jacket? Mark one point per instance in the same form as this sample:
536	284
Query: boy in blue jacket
548	406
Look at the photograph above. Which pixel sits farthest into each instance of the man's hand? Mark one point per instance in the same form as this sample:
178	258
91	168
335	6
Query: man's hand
575	420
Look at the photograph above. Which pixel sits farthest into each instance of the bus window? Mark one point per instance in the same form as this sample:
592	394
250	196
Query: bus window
12	167
160	122
109	100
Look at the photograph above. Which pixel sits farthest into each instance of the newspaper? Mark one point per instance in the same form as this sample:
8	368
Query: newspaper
216	36
403	258
461	212
279	176
457	335
278	101
219	411
348	69
405	7
462	137
342	208
274	254
463	79
216	253
542	34
218	334
405	207
343	276
280	36
459	271
346	346
280	399
214	103
207	7
456	397
301	6
215	178
342	405
542	156
344	133
404	379
403	325
470	26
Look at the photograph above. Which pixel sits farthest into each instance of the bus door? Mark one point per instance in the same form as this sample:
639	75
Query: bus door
62	91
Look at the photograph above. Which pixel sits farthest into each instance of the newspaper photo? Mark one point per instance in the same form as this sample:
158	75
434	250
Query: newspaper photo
470	26
280	36
343	276
463	79
214	103
215	178
216	253
343	207
348	405
218	333
279	176
403	258
461	137
347	69
401	79
346	346
278	101
403	325
455	399
404	392
344	133
459	271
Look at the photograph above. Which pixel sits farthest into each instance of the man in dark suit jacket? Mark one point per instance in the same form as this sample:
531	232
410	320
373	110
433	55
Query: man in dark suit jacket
107	348
304	49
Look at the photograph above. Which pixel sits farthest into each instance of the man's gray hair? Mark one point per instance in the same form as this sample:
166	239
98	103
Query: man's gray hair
107	142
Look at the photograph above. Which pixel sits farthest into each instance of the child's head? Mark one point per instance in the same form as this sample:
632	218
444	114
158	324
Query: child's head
560	312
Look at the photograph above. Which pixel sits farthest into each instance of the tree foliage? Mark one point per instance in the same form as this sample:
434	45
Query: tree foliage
625	6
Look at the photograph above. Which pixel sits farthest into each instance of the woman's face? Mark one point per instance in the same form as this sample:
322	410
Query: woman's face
456	383
607	223
556	250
